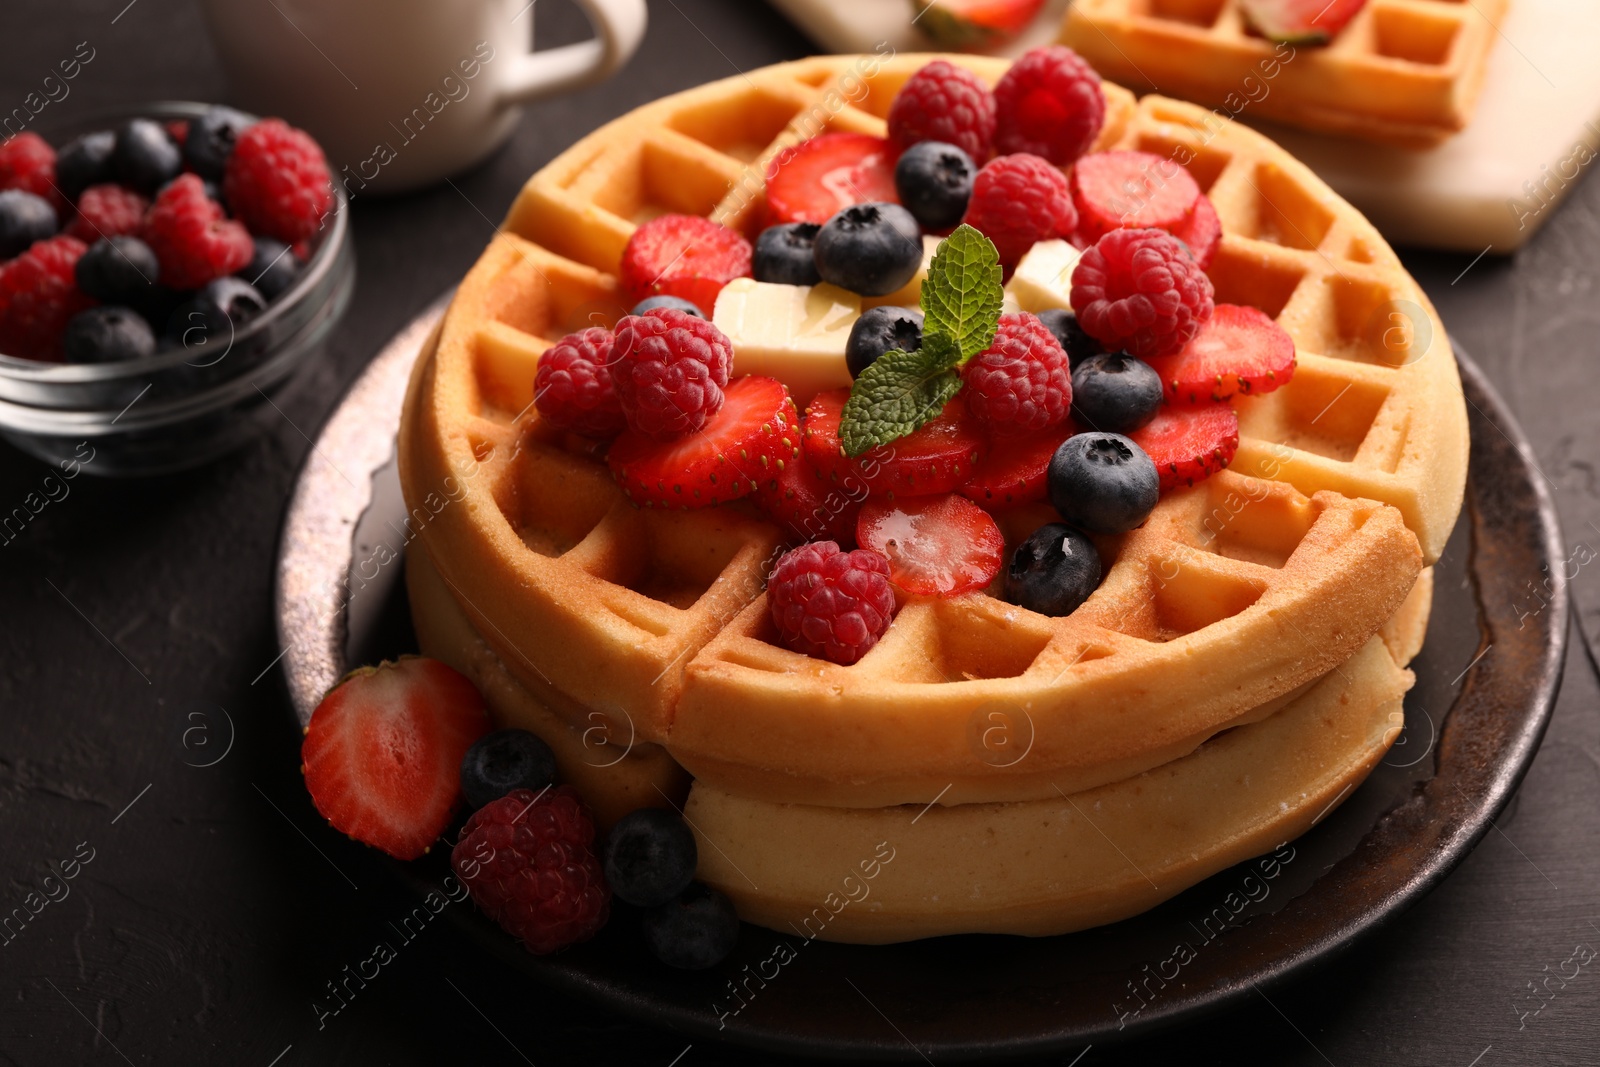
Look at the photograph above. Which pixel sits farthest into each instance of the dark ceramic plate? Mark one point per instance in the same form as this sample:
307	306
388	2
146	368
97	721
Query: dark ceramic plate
1486	684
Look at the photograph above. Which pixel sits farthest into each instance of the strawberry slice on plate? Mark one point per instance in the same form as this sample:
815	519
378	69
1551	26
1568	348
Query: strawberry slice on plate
1300	21
936	545
1016	469
1238	351
1130	190
731	455
974	23
808	507
1201	231
814	180
936	458
382	755
1189	445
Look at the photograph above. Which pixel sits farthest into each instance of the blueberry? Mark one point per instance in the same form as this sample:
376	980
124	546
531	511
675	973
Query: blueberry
1103	482
85	161
1064	324
1115	392
272	269
650	857
504	760
650	303
107	334
693	932
784	254
878	330
207	322
871	249
24	219
1053	571
145	157
118	270
211	139
934	181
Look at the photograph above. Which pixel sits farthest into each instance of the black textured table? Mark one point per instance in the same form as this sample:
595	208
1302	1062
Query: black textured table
210	909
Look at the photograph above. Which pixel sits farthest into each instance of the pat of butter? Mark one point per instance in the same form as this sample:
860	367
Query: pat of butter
1043	280
908	295
794	333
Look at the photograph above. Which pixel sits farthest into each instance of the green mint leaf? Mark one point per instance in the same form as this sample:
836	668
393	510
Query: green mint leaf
961	297
899	393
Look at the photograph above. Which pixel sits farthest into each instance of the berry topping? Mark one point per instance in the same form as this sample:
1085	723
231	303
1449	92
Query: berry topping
1103	482
145	157
934	180
1238	351
1018	200
1114	392
118	270
573	388
784	256
816	179
382	755
1050	104
944	102
684	256
272	269
1053	571
85	161
1201	231
872	249
1142	291
108	211
1130	190
878	330
277	181
209	140
830	604
191	237
735	452
504	760
1064	324
107	334
24	219
1016	470
528	862
208	321
650	857
678	303
974	24
936	546
937	457
38	294
1188	445
1300	21
807	506
669	368
693	932
27	162
1022	383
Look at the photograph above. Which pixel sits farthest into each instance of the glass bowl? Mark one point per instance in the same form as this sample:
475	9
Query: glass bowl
179	408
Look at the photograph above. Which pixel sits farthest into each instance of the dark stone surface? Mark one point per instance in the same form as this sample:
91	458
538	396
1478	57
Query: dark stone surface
208	922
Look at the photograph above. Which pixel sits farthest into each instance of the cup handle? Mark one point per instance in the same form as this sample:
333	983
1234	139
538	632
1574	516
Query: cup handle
619	27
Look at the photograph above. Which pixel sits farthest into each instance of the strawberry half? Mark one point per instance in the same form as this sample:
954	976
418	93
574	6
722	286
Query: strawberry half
382	756
936	458
966	24
813	180
684	256
1016	469
731	455
1201	231
1130	190
1300	21
1238	351
808	507
936	545
1189	445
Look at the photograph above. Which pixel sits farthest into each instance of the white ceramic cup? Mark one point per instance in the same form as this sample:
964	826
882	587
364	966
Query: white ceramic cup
404	93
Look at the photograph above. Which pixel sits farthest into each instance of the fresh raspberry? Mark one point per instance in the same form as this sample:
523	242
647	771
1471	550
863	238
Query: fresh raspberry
528	861
573	387
669	368
191	238
1142	291
27	162
1022	383
1049	104
1020	199
38	294
944	102
178	130
277	181
831	604
108	211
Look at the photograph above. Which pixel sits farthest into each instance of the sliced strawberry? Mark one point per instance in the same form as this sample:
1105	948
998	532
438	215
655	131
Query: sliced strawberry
1130	190
736	450
1201	231
1239	350
974	23
808	507
1300	21
684	256
813	180
936	545
1189	444
1015	470
382	756
937	458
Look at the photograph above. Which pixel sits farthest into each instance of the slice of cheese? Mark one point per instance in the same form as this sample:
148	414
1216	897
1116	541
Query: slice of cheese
794	333
1043	280
908	295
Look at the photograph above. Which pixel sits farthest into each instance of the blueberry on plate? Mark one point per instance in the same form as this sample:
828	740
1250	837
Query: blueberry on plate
651	303
693	932
871	249
85	161
272	269
934	181
650	857
1064	324
1115	392
206	323
784	254
145	157
118	270
211	138
504	760
877	331
107	334
24	219
1053	571
1103	482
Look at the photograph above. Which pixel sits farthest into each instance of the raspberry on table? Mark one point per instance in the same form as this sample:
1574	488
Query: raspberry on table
1022	383
1050	104
277	181
528	860
27	162
1140	290
108	211
1018	200
669	368
829	603
573	387
38	294
191	237
944	102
